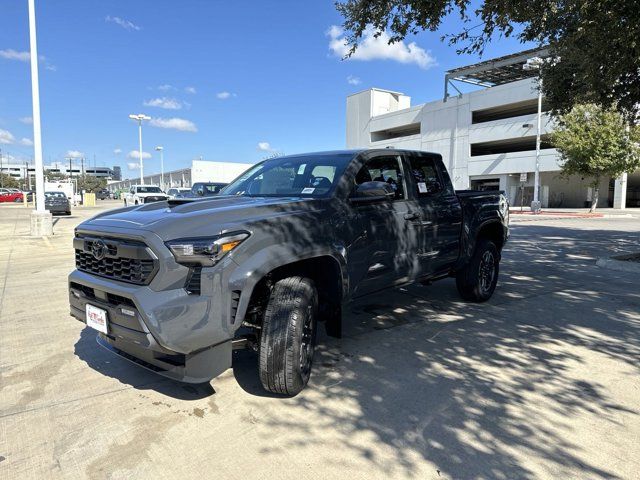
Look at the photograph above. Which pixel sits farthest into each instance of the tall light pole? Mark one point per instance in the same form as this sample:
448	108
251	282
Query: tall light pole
535	63
161	150
41	220
140	117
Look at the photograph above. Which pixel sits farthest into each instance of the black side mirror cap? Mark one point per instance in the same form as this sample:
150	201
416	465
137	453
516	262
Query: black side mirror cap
373	192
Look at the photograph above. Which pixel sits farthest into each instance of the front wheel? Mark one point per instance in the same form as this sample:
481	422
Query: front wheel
288	336
478	279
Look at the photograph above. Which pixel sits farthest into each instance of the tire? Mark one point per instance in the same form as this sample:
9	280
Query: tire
125	202
68	212
477	281
136	202
288	336
17	200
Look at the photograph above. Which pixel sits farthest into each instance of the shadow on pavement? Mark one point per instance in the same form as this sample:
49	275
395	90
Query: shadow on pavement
474	389
477	389
107	363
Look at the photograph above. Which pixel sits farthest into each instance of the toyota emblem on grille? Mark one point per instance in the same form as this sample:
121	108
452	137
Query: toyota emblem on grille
98	249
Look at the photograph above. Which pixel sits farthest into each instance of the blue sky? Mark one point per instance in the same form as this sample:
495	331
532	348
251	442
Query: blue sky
237	80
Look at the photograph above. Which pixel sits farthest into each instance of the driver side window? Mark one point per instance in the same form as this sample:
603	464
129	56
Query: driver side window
383	169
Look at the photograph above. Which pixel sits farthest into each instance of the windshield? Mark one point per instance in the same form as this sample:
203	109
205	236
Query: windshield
309	175
149	190
211	188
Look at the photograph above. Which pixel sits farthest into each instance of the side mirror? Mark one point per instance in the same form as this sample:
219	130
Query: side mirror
372	192
200	192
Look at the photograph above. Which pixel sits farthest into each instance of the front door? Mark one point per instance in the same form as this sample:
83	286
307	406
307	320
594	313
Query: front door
383	252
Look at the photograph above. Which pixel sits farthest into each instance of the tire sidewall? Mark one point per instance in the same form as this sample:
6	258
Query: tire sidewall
291	301
484	246
310	300
468	279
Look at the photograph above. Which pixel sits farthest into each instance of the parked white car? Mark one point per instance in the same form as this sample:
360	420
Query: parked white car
178	192
139	194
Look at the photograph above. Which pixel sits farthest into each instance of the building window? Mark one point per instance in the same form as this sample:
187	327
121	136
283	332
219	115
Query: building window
511	110
522	144
398	132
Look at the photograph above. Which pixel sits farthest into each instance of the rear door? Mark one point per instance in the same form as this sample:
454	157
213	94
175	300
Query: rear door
440	212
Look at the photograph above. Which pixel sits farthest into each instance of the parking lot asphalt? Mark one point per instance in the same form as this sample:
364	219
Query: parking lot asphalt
543	381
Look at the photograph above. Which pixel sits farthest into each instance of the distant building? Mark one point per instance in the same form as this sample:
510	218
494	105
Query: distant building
100	172
487	138
117	173
19	170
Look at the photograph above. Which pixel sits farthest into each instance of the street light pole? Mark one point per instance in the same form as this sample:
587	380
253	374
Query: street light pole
536	180
35	95
140	117
535	63
161	150
41	219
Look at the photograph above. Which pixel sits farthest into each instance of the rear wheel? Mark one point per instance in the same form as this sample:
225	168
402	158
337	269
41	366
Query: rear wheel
477	281
288	336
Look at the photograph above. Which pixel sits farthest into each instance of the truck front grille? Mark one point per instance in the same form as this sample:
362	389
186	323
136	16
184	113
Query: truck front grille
154	199
117	259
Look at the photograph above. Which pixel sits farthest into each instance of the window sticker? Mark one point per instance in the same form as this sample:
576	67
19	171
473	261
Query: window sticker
422	187
308	190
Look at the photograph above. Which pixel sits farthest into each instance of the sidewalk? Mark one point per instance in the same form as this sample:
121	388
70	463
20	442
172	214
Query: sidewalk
552	213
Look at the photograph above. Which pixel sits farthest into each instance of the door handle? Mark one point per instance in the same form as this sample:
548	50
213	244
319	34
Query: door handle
411	216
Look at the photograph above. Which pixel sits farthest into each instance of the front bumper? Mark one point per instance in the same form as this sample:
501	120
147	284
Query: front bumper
129	336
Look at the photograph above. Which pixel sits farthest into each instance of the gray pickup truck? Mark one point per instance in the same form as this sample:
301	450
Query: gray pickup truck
176	286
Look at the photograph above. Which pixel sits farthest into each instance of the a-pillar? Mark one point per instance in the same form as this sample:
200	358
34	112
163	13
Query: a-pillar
620	192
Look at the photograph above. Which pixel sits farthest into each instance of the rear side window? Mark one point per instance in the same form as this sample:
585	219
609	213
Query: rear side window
425	175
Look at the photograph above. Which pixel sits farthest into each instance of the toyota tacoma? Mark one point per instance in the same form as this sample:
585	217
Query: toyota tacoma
176	286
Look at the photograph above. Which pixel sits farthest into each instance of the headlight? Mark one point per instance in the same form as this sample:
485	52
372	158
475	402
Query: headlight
205	251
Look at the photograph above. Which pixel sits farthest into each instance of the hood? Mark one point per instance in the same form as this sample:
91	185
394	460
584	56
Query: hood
208	216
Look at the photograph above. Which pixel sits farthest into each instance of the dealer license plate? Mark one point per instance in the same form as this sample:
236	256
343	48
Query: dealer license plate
97	318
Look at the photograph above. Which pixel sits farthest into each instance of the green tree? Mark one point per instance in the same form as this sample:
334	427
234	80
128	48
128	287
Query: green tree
90	183
54	176
595	44
7	181
596	142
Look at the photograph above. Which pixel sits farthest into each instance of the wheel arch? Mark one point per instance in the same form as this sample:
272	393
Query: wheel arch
328	272
492	230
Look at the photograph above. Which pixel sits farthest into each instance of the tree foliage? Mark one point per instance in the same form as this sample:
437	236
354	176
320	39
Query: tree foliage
596	142
8	181
90	183
595	44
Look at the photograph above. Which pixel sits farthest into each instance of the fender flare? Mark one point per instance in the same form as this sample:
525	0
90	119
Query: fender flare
254	269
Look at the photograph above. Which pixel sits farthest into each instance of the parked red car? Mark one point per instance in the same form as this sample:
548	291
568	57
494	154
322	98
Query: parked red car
10	196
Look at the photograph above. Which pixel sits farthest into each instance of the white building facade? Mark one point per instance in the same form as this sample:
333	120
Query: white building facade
487	139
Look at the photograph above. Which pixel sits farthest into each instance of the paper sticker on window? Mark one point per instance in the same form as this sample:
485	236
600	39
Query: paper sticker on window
308	190
422	187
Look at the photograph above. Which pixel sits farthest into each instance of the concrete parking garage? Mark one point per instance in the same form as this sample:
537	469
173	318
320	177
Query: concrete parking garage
543	381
